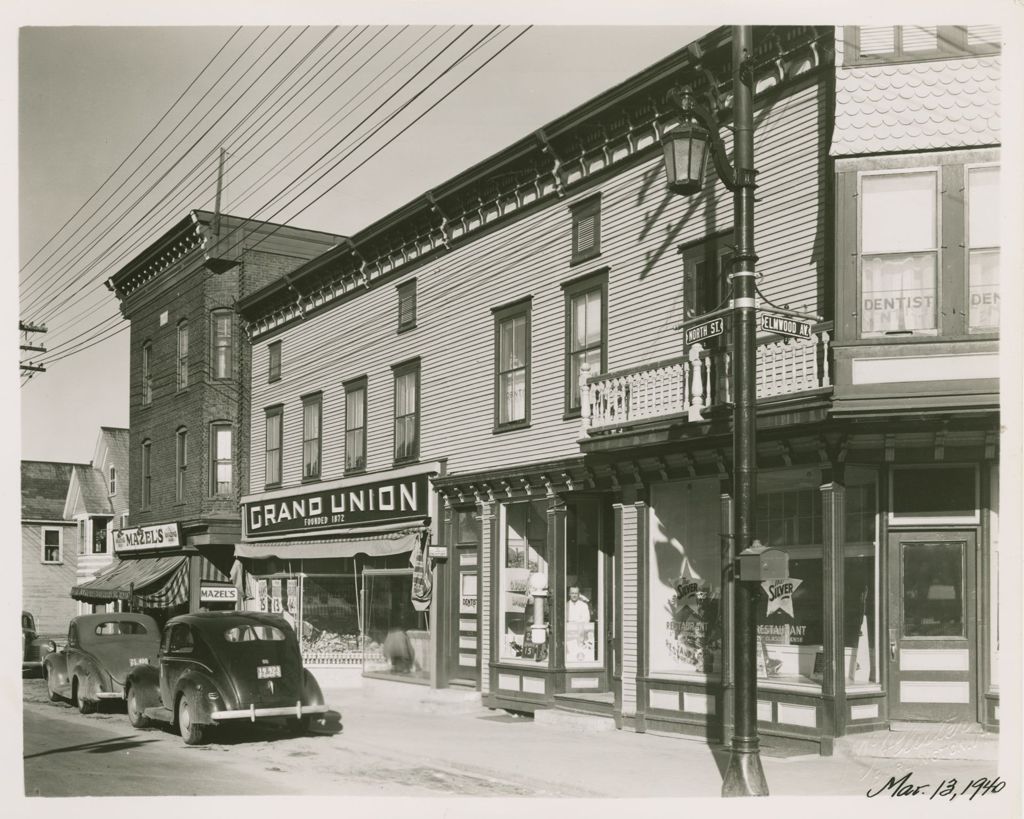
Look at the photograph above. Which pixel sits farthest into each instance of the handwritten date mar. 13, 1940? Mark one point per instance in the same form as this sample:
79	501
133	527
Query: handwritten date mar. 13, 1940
946	789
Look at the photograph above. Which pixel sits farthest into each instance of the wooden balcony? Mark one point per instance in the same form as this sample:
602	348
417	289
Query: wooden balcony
683	389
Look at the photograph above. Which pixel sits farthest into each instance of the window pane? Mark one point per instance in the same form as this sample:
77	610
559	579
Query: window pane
223	442
311	420
223	477
898	293
512	386
949	491
983	207
593	334
898	212
579	322
406	394
984	289
524	546
933	590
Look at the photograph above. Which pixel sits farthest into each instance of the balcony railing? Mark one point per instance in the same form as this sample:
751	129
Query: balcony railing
688	385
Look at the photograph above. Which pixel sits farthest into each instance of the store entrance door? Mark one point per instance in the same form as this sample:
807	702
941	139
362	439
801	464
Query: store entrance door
932	632
463	655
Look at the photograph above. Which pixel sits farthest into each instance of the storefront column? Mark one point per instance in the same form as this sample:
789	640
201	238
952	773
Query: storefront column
833	678
726	609
556	581
195	579
630	531
488	545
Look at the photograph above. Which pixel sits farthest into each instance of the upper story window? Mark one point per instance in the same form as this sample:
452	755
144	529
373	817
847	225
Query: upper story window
407	305
99	536
182	355
705	273
867	45
53	545
147	373
586	341
407	411
272	447
586	229
274	361
180	464
512	365
926	247
83	537
221	460
221	341
147	476
113	481
355	425
311	417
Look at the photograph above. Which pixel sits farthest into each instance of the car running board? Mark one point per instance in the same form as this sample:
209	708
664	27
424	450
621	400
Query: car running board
160	713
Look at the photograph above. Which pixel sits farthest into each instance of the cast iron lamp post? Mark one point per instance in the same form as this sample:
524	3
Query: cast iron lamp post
686	149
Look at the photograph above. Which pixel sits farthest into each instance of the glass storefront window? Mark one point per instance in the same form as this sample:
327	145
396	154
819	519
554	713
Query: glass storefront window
860	580
584	581
524	596
397	637
331	620
685	578
790	610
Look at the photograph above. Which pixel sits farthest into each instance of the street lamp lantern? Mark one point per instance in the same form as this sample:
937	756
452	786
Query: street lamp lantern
686	155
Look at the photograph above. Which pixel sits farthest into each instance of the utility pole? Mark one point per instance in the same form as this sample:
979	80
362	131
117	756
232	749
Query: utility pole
27	328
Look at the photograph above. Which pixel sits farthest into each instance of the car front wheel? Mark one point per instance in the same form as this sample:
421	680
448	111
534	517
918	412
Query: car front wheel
136	716
50	692
191	731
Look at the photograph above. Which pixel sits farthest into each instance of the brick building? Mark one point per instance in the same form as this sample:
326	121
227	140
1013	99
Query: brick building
49	545
188	455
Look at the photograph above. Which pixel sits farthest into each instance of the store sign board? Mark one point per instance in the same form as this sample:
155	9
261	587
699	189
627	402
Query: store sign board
780	594
437	552
373	502
218	594
162	536
704	330
784	326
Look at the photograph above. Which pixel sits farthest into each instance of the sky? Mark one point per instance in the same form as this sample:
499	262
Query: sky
89	96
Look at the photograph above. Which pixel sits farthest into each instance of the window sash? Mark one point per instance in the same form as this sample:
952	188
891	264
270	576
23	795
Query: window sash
182	465
221	345
182	356
983	251
272	462
513	373
274	361
147	378
355	428
311	438
407	305
146	475
53	546
406	416
223	462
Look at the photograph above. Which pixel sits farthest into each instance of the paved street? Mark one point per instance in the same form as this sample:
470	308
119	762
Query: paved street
396	744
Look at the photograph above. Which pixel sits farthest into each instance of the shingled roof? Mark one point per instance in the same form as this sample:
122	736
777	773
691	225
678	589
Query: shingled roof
44	488
93	489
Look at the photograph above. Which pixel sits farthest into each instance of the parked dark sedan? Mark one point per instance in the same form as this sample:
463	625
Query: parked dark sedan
101	650
34	646
218	667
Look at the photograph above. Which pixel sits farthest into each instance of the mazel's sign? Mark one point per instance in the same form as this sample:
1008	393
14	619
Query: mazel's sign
162	536
386	501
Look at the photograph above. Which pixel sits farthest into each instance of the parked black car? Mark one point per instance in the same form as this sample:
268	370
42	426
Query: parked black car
216	667
34	646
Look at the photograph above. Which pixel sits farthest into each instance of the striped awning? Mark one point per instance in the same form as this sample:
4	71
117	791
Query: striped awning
375	544
163	580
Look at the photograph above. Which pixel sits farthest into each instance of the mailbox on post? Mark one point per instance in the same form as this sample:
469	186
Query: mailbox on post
761	563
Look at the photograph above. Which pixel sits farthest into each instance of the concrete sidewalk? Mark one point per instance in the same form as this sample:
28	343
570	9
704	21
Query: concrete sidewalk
451	729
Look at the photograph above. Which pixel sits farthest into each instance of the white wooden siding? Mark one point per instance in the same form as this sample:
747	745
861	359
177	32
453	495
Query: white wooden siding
642	226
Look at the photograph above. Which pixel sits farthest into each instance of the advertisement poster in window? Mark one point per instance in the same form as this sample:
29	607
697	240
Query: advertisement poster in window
468	593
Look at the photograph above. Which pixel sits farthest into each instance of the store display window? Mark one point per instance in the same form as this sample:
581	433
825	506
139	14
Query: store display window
396	637
685	578
524	596
584	585
860	580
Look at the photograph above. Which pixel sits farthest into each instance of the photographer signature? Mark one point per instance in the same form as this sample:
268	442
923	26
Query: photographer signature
947	789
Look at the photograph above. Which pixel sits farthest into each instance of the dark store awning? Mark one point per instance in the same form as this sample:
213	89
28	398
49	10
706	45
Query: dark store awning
374	544
157	582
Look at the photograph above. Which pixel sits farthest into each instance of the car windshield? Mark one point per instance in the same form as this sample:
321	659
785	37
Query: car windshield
247	634
115	628
26	621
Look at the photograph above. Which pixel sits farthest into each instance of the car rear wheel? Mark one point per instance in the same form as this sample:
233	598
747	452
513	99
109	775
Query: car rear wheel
136	715
84	706
191	731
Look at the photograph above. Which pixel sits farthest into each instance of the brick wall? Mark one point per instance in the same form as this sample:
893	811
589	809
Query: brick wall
46	587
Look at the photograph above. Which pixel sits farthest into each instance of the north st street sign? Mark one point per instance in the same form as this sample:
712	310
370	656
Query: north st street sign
386	501
704	330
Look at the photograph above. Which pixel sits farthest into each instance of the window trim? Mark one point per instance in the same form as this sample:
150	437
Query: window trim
353	384
397	371
308	400
147	373
966	294
894	522
215	461
181	361
591	206
404	290
112	481
952	273
520	308
268	412
214	315
60	545
274	353
952	44
147	475
597	279
180	463
693	251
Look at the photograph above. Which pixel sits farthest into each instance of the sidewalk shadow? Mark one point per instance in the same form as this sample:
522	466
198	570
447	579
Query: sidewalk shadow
101	746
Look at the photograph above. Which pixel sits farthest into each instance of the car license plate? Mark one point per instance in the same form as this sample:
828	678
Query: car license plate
268	672
138	661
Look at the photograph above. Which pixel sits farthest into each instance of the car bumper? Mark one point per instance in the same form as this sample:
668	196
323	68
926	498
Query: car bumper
109	695
253	713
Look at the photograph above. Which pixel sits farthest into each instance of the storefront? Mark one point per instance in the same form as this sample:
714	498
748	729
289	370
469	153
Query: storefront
158	572
348	565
